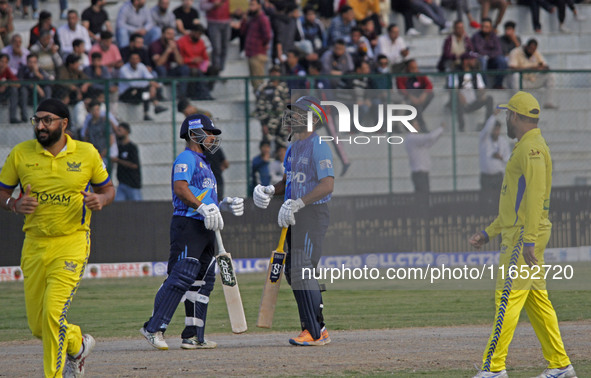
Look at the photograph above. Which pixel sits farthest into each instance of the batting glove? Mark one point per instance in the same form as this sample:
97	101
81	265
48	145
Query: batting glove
211	217
262	195
286	216
233	204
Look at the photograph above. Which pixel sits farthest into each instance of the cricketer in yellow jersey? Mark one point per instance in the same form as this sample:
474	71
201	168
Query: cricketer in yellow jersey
525	228
55	173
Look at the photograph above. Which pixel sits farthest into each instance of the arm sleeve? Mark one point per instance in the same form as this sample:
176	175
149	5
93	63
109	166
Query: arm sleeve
184	166
323	159
100	176
493	229
9	175
534	168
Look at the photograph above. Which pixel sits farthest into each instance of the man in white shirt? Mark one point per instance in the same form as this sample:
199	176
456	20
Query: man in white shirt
71	31
139	90
394	47
17	54
494	153
418	147
472	89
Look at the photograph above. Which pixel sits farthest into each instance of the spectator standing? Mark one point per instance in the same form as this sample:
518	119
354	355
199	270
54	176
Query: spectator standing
193	50
218	29
10	91
510	39
6	23
71	31
256	30
44	24
417	90
167	59
340	26
285	31
32	72
271	100
488	46
260	166
494	151
472	90
454	46
48	53
133	91
529	58
129	172
134	17
94	129
110	52
393	46
16	53
186	16
418	147
95	19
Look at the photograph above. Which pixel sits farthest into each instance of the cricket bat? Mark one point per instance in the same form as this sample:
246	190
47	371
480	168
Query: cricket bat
230	286
272	282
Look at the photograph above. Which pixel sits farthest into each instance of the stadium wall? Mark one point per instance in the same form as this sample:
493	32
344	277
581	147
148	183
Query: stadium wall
437	222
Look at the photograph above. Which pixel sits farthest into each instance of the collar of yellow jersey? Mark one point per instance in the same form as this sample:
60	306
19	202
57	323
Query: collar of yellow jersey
530	134
70	147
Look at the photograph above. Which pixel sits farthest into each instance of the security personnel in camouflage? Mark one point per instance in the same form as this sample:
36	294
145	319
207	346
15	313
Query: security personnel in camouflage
272	97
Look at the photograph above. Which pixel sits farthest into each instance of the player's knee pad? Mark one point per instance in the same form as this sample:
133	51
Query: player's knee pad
183	274
197	300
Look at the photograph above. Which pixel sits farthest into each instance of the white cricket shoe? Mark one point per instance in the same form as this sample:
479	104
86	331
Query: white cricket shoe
412	32
425	20
155	339
490	374
193	343
75	365
568	372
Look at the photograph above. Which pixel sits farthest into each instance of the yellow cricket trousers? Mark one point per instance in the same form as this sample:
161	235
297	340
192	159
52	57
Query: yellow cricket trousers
52	268
512	294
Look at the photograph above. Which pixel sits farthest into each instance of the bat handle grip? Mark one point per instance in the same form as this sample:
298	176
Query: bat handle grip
218	237
282	239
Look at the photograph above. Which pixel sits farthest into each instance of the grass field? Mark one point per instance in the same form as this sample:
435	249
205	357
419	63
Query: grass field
117	308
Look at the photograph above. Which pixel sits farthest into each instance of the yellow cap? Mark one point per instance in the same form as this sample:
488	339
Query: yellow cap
523	103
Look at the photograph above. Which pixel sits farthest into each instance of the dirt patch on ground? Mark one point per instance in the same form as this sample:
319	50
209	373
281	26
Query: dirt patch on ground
373	351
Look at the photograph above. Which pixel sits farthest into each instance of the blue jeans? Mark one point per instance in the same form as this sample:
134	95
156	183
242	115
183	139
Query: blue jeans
127	193
219	35
179	71
123	35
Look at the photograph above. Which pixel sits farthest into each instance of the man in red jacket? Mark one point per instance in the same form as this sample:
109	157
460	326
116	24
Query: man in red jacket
257	32
417	90
193	51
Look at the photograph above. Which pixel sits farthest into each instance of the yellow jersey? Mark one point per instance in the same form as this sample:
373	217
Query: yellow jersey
525	193
56	182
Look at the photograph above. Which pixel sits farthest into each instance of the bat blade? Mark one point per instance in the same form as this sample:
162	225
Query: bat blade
272	285
231	290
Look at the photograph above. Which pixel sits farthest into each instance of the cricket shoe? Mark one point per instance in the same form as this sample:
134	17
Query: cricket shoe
305	339
194	343
490	374
155	339
75	365
567	372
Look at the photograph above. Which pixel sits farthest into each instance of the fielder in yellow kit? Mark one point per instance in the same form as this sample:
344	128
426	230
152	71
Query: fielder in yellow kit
56	173
525	230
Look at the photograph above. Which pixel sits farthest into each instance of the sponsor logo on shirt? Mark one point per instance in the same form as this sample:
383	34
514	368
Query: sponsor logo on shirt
33	166
181	168
325	164
45	198
70	266
208	183
73	166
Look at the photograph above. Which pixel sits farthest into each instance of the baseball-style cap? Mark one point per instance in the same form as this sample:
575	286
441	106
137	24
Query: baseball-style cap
523	103
198	121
